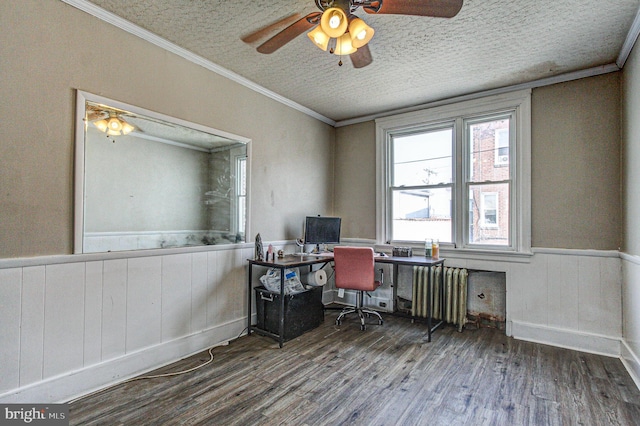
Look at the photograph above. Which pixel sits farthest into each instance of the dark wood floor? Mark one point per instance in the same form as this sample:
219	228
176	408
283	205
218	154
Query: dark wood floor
386	375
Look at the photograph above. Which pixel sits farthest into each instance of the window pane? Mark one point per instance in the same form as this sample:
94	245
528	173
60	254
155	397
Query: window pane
242	194
421	214
423	159
489	214
489	148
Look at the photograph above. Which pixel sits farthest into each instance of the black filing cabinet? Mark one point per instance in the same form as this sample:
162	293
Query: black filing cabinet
302	311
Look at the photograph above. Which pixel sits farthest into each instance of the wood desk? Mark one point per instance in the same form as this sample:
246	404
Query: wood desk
296	260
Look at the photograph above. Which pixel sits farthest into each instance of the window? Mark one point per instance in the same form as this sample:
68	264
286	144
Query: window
241	193
422	179
488	181
501	146
458	173
489	209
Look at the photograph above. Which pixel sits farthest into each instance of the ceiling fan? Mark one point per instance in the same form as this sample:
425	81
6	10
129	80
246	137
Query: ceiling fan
108	120
338	30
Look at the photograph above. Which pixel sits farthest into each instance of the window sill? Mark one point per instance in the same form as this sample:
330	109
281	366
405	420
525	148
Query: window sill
490	255
449	252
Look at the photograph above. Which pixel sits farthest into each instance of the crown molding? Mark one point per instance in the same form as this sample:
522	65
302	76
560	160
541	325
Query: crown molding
146	35
152	38
630	41
561	78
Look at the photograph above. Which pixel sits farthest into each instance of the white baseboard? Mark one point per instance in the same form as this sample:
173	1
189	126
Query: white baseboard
568	339
631	362
81	382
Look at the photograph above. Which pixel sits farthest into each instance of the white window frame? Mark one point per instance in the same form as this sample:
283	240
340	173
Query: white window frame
520	161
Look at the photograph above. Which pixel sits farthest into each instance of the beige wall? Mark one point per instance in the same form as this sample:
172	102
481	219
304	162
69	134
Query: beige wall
575	168
50	49
355	173
631	153
575	164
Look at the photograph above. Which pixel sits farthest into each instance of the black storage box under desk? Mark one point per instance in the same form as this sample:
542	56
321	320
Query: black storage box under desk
302	311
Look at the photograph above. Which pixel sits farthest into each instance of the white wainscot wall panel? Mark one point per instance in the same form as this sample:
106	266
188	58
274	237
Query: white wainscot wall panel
32	325
10	314
199	291
63	319
114	308
72	326
176	296
144	303
567	299
93	298
631	323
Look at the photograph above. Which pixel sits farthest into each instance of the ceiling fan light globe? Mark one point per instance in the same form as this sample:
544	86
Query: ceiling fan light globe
334	22
102	125
115	124
344	45
127	128
361	33
319	38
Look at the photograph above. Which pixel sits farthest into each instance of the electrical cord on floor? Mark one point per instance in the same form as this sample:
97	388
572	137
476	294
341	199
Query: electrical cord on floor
177	373
133	379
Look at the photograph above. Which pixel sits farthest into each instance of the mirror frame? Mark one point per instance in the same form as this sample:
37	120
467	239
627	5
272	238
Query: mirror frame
79	162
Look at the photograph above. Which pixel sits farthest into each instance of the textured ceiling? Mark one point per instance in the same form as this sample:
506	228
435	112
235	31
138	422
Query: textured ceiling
416	60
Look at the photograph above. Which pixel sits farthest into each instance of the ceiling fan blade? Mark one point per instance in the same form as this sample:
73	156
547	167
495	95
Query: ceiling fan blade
289	33
435	8
361	57
269	30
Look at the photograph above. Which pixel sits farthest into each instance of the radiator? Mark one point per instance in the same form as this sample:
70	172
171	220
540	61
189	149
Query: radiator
455	294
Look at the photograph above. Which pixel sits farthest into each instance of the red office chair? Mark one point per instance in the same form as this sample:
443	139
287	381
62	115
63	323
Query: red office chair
354	267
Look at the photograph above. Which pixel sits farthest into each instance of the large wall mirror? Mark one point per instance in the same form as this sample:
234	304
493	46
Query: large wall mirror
146	181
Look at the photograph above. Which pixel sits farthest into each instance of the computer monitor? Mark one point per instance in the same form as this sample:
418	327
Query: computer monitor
322	230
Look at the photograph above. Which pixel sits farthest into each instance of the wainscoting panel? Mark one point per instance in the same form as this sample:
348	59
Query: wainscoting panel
144	303
176	296
93	313
631	322
32	326
114	308
568	298
63	319
73	324
10	318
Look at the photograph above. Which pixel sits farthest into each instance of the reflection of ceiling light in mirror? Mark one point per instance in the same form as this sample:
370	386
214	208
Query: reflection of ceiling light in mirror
114	126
